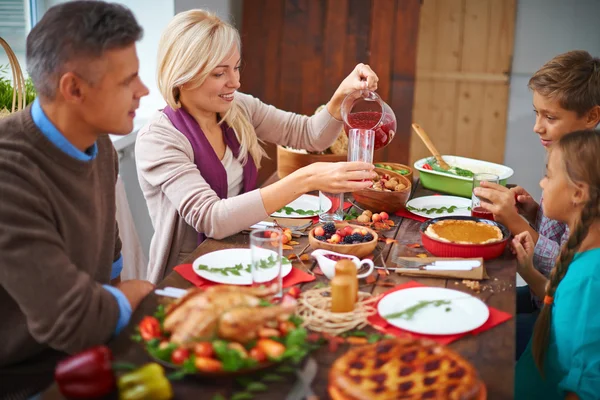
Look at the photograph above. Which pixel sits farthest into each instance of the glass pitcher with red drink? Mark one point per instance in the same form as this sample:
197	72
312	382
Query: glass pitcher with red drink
364	109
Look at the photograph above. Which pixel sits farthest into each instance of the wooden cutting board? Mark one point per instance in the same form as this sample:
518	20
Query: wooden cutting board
476	274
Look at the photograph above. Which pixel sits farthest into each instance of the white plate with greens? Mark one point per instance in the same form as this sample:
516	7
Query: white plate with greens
433	311
439	206
232	266
305	206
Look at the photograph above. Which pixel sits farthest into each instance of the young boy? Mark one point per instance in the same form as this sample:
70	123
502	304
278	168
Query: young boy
566	98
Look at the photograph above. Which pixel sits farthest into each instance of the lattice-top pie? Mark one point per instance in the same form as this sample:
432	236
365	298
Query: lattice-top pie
403	369
464	232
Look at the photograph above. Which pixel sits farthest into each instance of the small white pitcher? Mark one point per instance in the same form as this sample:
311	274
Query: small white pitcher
328	266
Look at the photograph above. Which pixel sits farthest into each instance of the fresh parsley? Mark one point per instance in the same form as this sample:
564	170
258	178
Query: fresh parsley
299	211
410	312
436	210
239	268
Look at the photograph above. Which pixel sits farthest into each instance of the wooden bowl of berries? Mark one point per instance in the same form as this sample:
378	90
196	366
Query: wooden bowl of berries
389	193
344	238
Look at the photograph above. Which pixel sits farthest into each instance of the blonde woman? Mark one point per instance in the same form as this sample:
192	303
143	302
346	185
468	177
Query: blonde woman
197	159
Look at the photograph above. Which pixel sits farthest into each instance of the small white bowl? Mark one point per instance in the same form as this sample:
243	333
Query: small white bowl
327	265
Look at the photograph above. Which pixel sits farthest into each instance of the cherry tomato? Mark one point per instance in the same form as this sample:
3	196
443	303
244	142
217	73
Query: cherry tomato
149	328
204	349
179	356
257	354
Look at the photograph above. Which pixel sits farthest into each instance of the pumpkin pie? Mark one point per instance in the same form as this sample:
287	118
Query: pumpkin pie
403	368
464	232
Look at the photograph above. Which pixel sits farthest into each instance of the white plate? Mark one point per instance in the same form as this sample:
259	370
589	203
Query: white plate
231	257
438	202
304	202
465	311
472	164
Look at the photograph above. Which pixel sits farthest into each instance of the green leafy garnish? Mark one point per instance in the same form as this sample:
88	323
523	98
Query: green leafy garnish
273	378
256	387
154	349
457	171
351	215
299	211
187	368
266	263
242	396
437	210
285	369
296	320
410	312
231	359
297	337
218	396
389	168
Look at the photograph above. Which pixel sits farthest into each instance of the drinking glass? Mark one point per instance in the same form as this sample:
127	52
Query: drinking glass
476	209
331	212
361	143
265	252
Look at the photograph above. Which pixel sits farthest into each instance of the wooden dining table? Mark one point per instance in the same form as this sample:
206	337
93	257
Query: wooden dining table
492	352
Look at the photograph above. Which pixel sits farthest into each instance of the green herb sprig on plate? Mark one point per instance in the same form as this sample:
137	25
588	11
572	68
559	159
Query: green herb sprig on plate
437	210
236	269
299	211
410	312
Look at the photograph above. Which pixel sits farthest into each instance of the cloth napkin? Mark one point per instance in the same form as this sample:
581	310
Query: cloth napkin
404	213
295	277
496	318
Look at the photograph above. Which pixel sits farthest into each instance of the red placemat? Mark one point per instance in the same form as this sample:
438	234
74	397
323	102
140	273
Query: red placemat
295	277
496	318
404	213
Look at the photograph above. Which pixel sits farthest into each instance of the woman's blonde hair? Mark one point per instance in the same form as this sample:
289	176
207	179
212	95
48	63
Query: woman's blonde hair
194	43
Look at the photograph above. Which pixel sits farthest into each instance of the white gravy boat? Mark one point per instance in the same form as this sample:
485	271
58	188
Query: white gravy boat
327	265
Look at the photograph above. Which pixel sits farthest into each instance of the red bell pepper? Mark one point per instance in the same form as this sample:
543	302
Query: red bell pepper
87	374
149	328
427	166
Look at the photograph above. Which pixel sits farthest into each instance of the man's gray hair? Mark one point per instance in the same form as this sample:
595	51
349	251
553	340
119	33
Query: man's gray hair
74	32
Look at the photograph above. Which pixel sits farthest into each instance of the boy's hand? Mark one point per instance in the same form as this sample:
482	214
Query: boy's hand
498	200
527	206
523	246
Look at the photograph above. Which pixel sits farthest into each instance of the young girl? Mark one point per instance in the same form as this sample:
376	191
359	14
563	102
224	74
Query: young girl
562	360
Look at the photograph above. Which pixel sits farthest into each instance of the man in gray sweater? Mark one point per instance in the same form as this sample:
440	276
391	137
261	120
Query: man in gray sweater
59	241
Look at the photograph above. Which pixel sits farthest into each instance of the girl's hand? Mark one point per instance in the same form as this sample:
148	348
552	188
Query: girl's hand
361	78
526	205
522	246
340	177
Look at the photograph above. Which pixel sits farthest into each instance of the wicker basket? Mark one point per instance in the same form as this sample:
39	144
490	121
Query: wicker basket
19	98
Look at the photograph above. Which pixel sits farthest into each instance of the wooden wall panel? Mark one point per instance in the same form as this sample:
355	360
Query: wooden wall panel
463	63
297	52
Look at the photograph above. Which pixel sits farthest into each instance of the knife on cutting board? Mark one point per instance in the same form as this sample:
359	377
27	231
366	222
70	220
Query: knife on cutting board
302	388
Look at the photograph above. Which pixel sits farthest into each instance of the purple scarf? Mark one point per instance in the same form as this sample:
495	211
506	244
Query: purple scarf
206	159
